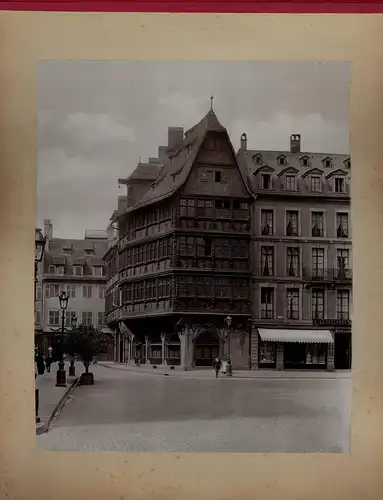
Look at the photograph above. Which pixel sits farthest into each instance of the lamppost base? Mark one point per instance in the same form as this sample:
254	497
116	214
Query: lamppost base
61	378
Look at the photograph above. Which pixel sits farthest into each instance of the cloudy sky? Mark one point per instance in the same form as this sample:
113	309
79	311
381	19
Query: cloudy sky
95	119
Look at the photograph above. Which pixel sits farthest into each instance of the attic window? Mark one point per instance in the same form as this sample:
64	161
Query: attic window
305	161
257	159
88	251
98	271
327	162
78	270
339	185
282	160
266	181
348	163
217	176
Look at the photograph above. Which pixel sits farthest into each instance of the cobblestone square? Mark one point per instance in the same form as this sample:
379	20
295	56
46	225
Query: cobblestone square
140	412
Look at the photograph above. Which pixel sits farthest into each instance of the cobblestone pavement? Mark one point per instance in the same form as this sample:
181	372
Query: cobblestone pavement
127	411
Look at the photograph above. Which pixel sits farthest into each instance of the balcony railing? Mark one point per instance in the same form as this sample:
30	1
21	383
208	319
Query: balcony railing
327	274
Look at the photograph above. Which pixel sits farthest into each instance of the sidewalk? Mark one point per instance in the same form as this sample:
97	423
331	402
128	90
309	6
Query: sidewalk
237	374
50	396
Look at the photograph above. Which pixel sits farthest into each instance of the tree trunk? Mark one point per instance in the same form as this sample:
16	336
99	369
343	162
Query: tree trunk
86	367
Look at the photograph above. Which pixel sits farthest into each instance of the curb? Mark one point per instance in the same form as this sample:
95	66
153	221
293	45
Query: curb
43	428
257	377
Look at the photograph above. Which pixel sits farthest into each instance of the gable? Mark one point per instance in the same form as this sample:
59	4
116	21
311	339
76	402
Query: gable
339	172
313	171
215	170
288	170
264	169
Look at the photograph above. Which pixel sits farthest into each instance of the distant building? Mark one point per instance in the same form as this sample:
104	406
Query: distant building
261	236
76	267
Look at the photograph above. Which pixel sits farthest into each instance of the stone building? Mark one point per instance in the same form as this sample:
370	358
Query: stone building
301	257
76	267
182	261
261	236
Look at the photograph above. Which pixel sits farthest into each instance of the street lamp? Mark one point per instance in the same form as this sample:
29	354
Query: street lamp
40	241
72	368
61	375
229	370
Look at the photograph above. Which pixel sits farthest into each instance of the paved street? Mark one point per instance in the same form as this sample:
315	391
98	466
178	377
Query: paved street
137	412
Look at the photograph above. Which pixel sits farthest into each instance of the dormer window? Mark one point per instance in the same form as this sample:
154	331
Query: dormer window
98	271
257	159
266	181
88	251
78	270
59	270
316	183
282	160
305	161
339	185
291	182
327	162
347	163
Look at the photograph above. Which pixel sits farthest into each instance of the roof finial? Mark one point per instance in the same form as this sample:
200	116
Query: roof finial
211	102
139	159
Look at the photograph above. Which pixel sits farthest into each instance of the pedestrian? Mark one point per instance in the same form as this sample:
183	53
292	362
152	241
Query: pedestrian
48	362
217	366
224	366
40	364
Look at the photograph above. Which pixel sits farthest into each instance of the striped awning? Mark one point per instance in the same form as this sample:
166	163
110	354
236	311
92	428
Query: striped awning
290	335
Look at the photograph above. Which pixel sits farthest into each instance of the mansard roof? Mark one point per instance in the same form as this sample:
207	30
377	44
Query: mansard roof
176	170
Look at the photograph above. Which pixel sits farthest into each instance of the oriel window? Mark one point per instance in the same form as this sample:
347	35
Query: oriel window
267	261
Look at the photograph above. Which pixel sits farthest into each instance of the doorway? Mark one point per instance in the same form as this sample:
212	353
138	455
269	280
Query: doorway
342	357
206	348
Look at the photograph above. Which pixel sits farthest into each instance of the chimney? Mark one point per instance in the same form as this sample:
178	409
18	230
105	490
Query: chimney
244	142
48	228
162	156
112	233
295	143
153	160
122	203
175	136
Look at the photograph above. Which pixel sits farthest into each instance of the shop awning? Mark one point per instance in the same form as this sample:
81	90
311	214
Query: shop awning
287	335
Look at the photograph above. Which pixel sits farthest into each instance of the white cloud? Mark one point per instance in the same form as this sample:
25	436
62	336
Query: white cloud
97	127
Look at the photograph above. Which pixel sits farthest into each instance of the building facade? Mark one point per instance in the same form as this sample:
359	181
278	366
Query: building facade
182	261
302	255
263	237
76	267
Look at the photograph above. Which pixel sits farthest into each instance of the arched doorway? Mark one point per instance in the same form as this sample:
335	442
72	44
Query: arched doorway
206	348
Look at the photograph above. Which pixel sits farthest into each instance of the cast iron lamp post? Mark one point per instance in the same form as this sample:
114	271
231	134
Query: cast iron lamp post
72	368
61	374
229	370
40	241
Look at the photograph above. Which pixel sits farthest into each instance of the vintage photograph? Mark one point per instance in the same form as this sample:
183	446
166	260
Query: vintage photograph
193	257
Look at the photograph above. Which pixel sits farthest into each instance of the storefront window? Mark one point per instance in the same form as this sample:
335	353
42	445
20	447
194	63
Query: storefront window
267	353
316	354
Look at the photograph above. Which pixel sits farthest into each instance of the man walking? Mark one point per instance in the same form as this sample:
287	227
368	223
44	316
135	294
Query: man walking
217	366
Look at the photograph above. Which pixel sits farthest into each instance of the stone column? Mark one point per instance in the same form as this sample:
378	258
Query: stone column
331	357
184	336
117	342
280	356
163	348
254	348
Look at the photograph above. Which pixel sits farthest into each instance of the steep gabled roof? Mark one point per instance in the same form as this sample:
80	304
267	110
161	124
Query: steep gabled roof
143	171
176	170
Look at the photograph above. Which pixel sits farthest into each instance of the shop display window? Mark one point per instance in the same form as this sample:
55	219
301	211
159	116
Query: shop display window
267	353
